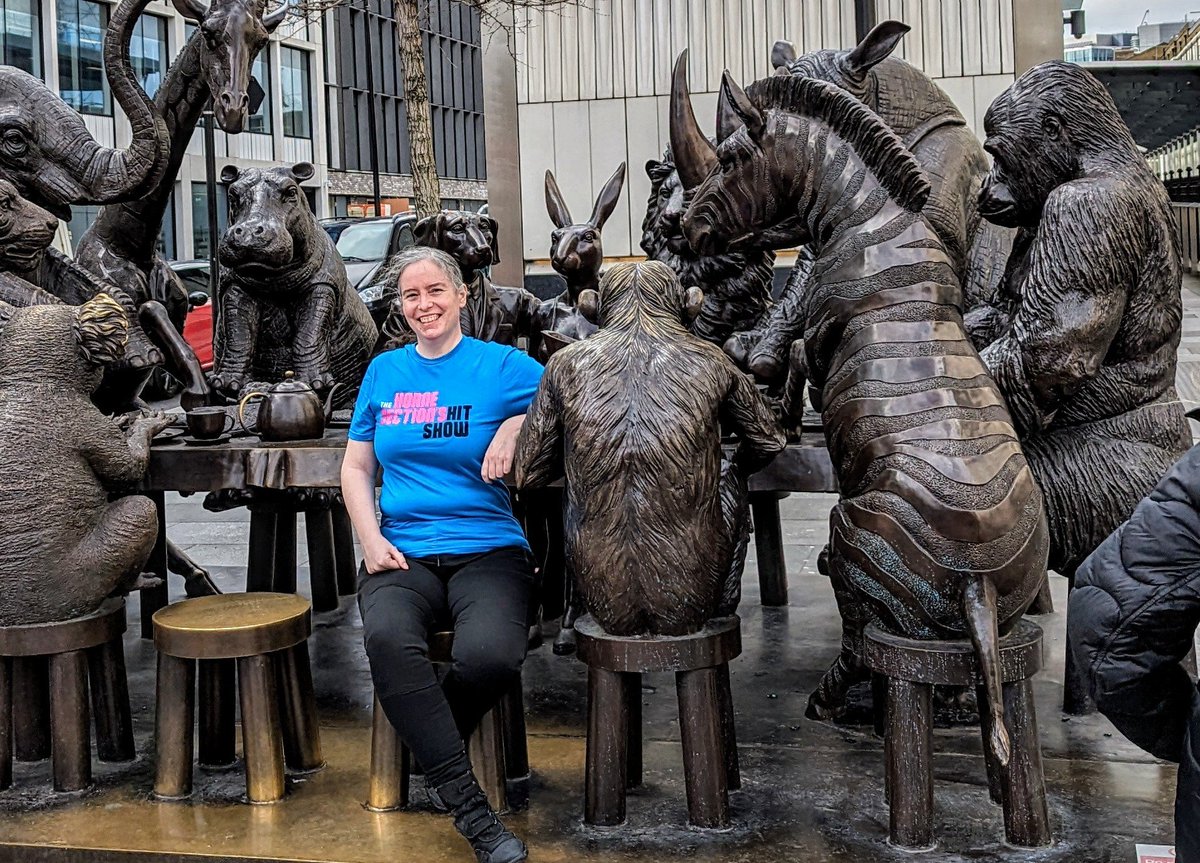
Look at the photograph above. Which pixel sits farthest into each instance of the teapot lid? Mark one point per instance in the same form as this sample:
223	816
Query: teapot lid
289	384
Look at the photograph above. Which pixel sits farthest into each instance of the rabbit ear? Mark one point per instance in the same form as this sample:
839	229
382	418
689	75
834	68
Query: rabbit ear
607	201
555	205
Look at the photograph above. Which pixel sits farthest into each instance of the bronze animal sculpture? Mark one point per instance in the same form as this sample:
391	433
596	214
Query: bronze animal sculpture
120	245
936	133
576	253
656	522
736	285
285	304
1090	312
67	546
493	313
939	530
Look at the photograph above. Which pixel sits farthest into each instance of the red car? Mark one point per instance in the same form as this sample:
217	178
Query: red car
198	327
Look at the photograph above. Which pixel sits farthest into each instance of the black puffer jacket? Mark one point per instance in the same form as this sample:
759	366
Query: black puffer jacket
1133	616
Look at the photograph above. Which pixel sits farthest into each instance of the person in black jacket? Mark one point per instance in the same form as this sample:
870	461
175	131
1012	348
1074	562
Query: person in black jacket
1132	618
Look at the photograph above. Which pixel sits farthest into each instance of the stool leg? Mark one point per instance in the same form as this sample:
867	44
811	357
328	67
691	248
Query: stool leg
262	742
633	748
733	772
607	739
388	787
71	749
285	552
910	763
175	705
486	751
260	568
343	549
298	706
218	713
516	751
768	548
153	598
704	769
322	568
994	770
6	723
31	708
1026	820
110	701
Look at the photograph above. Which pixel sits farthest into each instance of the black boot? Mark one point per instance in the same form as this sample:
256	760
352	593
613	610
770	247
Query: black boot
477	823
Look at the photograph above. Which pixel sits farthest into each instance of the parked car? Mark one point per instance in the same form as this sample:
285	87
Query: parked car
364	245
198	327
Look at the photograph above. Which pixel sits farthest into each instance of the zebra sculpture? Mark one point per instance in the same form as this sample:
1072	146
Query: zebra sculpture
940	530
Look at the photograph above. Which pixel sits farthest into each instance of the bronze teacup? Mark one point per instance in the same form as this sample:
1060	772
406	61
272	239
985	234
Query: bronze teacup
208	423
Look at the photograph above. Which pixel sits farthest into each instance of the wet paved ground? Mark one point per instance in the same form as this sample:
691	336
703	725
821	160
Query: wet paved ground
812	792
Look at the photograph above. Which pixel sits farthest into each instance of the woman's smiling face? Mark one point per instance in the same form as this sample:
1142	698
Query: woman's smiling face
431	301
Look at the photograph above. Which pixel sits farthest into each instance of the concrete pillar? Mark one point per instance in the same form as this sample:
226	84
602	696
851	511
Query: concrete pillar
1037	33
503	149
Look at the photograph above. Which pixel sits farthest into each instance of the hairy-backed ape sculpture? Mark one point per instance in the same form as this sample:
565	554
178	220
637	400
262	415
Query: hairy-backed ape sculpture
576	254
656	521
66	544
1090	310
939	530
935	132
493	313
736	285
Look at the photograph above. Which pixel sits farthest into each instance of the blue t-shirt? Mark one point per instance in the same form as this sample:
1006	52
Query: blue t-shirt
431	422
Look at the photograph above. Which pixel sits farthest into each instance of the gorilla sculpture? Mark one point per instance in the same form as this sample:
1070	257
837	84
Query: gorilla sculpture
493	313
934	130
939	530
1089	314
656	521
67	546
736	285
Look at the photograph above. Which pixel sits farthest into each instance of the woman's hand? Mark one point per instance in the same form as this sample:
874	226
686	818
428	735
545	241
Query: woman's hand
498	459
380	555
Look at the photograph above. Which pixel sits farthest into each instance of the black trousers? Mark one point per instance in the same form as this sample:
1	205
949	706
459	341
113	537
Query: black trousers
484	598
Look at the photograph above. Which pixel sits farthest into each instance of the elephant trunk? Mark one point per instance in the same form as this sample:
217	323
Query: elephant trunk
110	175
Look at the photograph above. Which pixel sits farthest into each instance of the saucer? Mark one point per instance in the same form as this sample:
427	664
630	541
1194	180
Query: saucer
169	434
195	441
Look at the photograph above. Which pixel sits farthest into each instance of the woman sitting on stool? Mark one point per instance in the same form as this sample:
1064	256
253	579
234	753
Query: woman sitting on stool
442	418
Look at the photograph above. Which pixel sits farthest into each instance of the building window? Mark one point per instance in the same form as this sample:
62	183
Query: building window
82	216
21	35
166	236
260	70
294	87
200	239
81	81
148	52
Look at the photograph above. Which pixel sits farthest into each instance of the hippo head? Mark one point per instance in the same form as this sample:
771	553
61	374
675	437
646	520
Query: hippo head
270	222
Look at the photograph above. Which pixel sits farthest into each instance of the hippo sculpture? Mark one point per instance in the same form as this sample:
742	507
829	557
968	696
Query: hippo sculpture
285	303
939	531
67	546
656	519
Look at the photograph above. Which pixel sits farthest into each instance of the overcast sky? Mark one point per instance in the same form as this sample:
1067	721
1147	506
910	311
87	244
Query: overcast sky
1120	16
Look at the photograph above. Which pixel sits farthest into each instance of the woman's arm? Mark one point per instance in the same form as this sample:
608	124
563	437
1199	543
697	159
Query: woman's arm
358	489
498	460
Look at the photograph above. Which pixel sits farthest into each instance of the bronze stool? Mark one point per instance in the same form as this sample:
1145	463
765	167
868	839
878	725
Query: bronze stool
912	668
614	733
70	651
497	749
267	635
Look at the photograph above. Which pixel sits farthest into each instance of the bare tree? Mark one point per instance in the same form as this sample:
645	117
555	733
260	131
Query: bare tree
410	14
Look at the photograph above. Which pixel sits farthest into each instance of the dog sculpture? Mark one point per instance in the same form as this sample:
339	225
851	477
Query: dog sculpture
940	530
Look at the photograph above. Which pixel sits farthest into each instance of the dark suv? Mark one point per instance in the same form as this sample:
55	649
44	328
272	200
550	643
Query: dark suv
364	245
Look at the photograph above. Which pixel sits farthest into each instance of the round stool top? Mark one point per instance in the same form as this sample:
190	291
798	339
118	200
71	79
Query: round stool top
232	625
79	633
952	663
718	642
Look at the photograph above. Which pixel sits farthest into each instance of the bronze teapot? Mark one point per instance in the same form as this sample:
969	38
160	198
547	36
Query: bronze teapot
291	410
